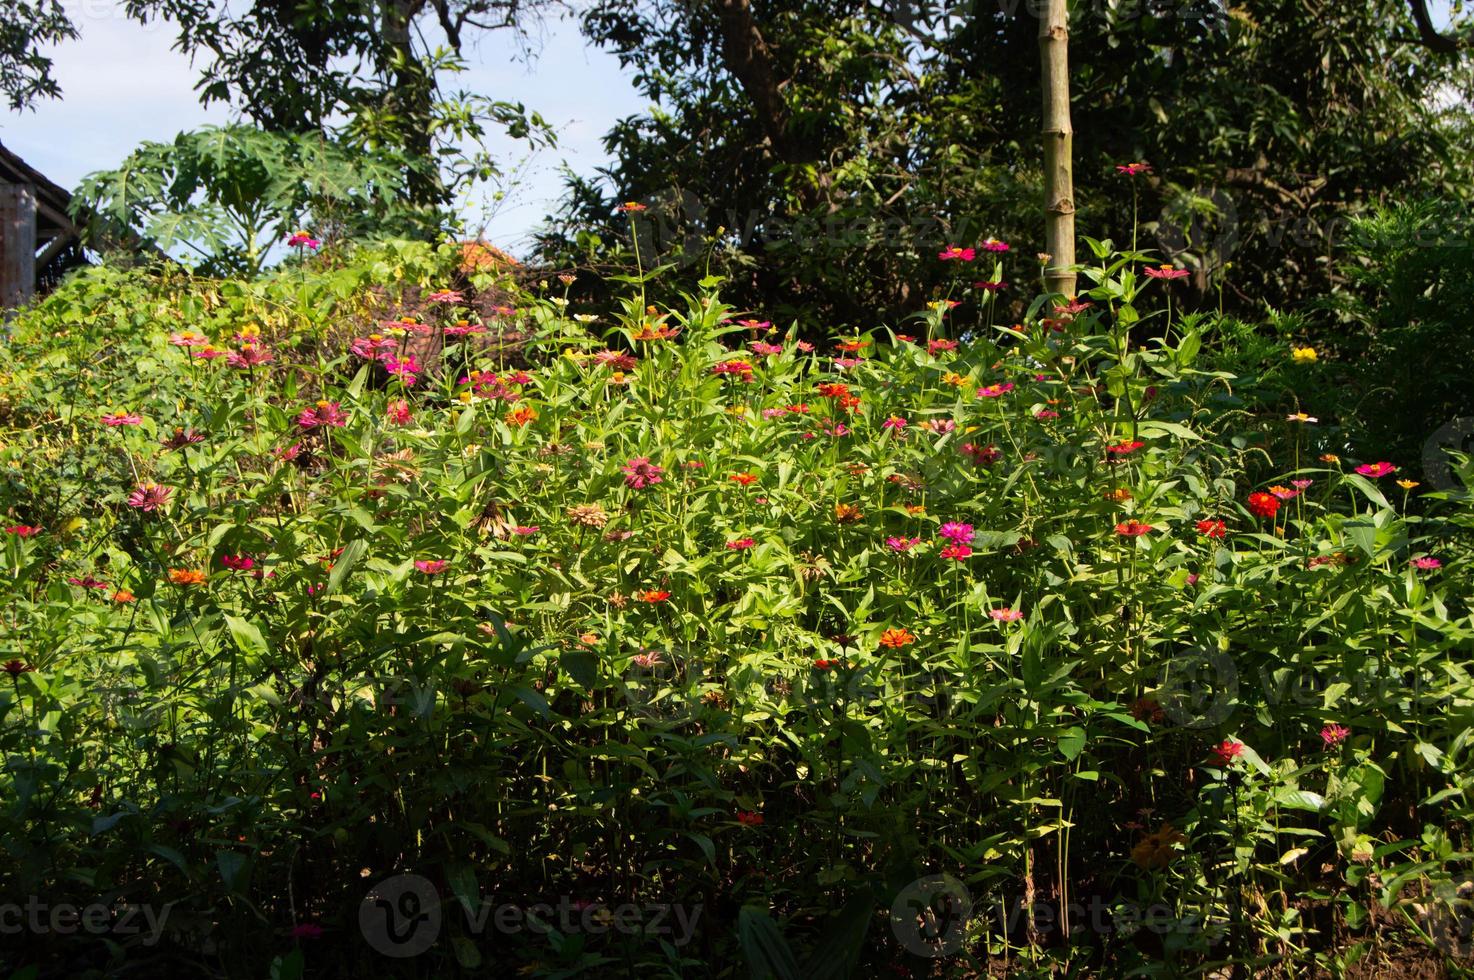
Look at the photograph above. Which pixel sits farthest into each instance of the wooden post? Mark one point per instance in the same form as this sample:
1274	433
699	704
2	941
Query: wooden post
1059	181
17	244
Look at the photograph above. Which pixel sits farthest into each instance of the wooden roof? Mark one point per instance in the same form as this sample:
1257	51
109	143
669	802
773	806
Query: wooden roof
52	200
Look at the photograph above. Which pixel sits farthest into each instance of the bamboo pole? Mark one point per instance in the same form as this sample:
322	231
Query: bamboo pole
1059	182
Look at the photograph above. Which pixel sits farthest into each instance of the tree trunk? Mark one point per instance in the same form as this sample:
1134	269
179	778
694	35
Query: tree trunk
17	244
1059	182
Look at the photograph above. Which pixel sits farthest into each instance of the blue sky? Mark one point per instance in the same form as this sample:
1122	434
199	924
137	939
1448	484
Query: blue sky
122	84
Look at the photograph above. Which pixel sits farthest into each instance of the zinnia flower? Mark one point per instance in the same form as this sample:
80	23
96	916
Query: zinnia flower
431	566
847	513
149	496
954	531
990	287
250	356
303	240
17	667
23	530
587	515
957	552
239	563
995	391
1426	563
1132	169
953	253
741	544
897	637
749	819
1333	734
399	412
1166	272
1212	529
901	544
1263	504
639	473
993	245
115	419
1132	529
1156	850
653	596
186	576
1226	751
325	413
1124	448
1006	615
1376	469
1301	417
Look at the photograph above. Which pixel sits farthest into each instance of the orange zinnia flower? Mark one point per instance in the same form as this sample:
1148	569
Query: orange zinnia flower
654	595
186	576
897	637
847	513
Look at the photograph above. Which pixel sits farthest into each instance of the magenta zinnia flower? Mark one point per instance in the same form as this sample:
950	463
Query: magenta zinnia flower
995	391
1426	564
149	496
993	245
901	544
115	419
303	240
639	473
432	566
956	531
1376	469
953	253
324	414
741	544
1132	169
1334	734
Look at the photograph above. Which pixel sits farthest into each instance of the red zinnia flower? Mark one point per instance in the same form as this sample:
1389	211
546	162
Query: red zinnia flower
654	596
1212	529
957	552
1124	448
1166	272
749	819
1226	751
1263	504
1132	529
23	530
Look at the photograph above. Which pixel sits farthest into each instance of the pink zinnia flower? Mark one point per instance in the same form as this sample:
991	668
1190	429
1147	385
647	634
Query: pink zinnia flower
615	360
208	354
433	566
956	531
1376	469
373	347
639	473
740	369
1132	529
189	338
303	240
981	455
1132	169
1333	734
1166	272
894	422
765	349
1426	564
957	552
939	346
1006	615
324	414
528	530
901	544
289	453
953	253
1301	484
87	582
149	496
445	296
399	412
249	356
239	563
115	419
405	370
995	391
741	544
804	347
993	245
307	930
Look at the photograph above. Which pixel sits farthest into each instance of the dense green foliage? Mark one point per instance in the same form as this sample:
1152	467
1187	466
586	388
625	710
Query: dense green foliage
824	166
654	605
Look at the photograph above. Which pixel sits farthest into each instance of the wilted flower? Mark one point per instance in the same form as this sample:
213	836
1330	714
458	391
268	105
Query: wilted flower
587	515
1156	850
847	513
